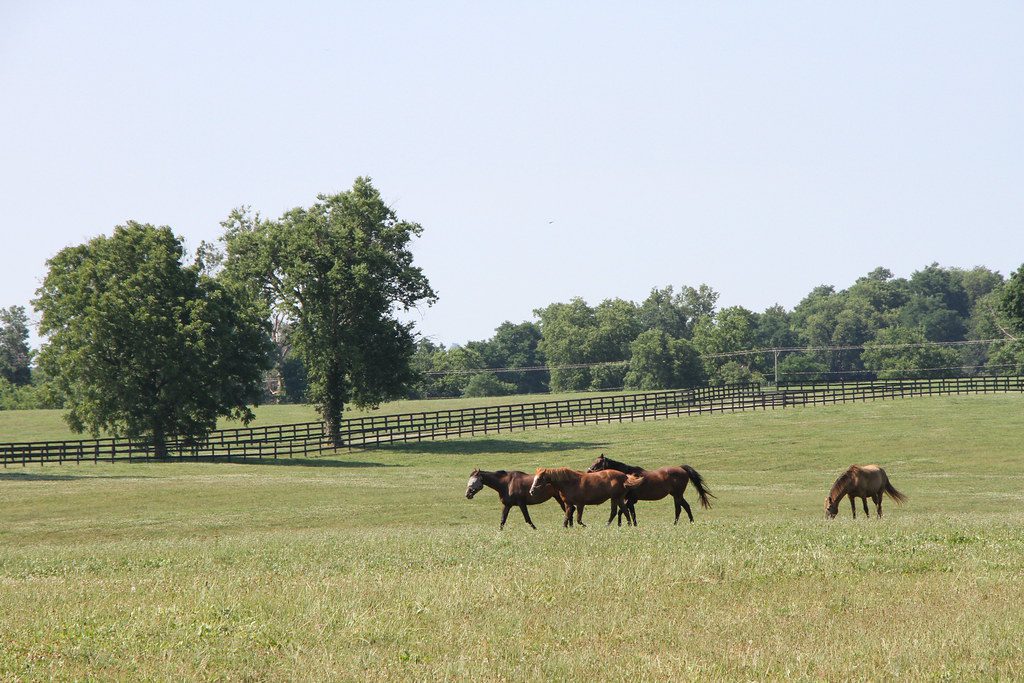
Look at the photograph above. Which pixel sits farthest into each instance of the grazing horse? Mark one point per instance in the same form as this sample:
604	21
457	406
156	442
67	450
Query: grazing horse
861	481
514	488
642	484
579	489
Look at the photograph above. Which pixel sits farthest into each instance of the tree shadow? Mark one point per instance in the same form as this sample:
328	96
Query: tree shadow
39	476
327	461
483	446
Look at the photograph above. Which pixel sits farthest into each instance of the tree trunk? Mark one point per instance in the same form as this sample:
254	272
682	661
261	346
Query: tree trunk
334	407
159	440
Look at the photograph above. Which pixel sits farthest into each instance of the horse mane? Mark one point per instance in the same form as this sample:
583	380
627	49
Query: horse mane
559	473
843	479
623	467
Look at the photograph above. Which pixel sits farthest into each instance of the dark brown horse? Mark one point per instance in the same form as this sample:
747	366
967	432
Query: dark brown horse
513	490
656	484
579	489
861	481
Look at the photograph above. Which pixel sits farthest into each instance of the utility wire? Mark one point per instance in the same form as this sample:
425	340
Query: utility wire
728	354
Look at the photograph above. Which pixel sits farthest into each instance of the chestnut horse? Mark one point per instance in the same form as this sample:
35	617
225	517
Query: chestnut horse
642	484
579	489
861	481
514	489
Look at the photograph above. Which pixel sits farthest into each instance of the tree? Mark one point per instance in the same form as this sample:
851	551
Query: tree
665	311
943	284
486	384
796	368
515	346
731	329
142	345
15	354
661	362
339	271
902	352
568	331
1012	302
455	366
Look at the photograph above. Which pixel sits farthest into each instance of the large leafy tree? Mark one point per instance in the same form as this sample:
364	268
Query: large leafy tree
569	330
1012	302
15	354
904	352
661	362
142	344
339	271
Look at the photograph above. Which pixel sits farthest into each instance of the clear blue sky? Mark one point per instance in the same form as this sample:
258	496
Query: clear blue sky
550	149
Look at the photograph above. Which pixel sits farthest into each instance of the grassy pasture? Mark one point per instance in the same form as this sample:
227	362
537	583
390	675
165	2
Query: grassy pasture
373	566
49	425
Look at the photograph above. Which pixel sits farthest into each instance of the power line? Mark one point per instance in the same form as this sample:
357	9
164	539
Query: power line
872	372
728	354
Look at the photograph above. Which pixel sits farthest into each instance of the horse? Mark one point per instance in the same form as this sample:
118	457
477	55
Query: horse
579	489
642	484
861	481
514	488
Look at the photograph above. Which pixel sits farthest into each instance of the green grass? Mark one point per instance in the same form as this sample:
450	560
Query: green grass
49	425
373	565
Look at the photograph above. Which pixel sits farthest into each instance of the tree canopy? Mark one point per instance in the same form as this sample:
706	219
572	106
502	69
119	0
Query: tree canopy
142	344
338	272
15	354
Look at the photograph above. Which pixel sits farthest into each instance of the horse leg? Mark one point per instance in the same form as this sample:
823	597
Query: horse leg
567	522
504	514
632	510
616	511
579	515
864	499
878	504
526	515
853	506
686	506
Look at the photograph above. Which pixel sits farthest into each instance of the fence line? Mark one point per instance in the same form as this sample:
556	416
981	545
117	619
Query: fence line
308	438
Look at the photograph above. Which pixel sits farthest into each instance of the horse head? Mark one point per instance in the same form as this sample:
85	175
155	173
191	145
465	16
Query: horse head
540	480
831	507
633	481
600	464
475	483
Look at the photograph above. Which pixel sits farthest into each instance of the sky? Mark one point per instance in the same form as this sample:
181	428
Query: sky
549	150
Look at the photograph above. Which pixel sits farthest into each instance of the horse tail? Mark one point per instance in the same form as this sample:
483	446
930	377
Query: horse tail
698	483
893	493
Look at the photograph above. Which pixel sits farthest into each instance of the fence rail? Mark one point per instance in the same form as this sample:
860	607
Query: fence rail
308	438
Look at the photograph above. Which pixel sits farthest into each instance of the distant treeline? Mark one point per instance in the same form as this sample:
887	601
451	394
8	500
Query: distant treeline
680	338
675	338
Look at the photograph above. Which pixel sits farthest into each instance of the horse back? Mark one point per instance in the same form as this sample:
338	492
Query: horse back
868	479
661	482
597	487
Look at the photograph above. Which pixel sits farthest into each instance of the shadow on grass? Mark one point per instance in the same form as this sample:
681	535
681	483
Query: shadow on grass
39	476
326	461
483	446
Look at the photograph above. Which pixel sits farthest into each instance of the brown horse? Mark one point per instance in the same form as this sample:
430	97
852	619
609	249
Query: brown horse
514	489
642	484
579	489
861	481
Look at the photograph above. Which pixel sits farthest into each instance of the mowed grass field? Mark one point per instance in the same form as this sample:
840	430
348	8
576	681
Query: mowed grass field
373	566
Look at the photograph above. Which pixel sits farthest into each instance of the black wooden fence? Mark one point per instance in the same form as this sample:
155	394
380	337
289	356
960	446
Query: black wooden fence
309	438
